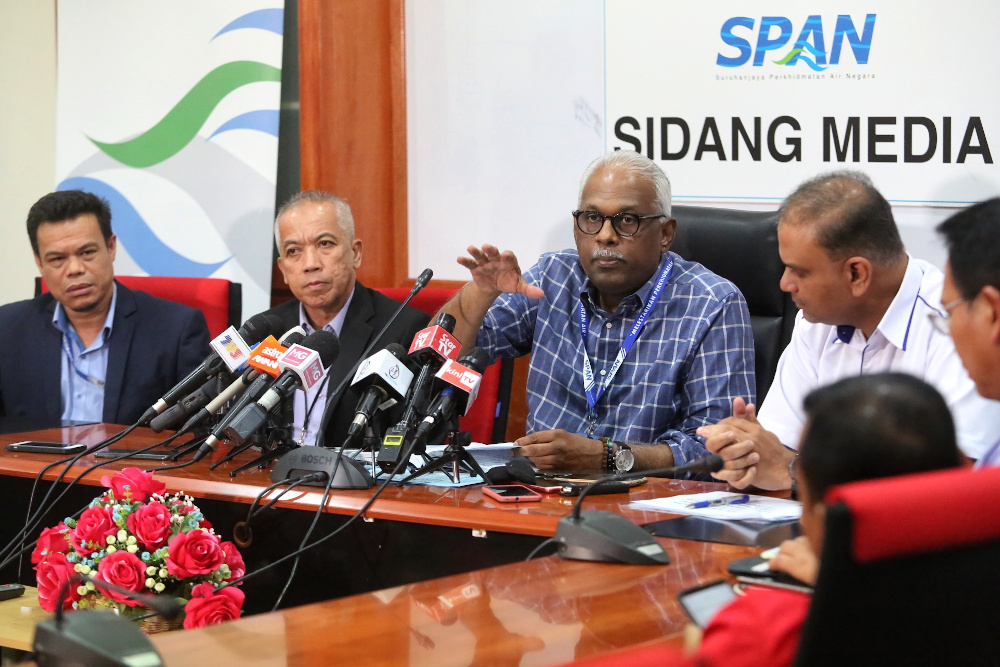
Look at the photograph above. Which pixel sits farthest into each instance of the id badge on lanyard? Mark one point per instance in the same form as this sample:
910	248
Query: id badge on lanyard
593	389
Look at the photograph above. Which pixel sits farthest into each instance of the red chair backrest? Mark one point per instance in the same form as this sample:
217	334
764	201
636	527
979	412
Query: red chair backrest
899	516
479	420
212	296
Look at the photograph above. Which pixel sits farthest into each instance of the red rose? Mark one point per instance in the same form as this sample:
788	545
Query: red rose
150	524
51	574
123	569
133	484
205	524
193	554
53	540
208	606
92	530
237	568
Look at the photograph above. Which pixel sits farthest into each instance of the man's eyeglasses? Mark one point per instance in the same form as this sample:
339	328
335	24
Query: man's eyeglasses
624	224
941	321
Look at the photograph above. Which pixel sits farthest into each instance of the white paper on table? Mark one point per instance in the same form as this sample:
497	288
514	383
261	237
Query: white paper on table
762	508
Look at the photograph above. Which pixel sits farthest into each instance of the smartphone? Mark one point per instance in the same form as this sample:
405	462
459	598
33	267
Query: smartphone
545	488
758	568
764	581
702	602
45	447
512	493
133	454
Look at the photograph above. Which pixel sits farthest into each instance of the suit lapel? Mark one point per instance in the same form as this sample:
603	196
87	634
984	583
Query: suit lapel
50	373
354	336
118	351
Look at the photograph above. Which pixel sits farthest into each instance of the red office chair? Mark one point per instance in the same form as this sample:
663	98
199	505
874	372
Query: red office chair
910	573
487	418
220	300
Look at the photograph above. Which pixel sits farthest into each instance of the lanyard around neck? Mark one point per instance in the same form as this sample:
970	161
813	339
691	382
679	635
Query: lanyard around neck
593	389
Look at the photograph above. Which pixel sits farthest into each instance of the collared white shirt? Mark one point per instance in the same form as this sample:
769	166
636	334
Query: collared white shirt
315	397
83	372
905	341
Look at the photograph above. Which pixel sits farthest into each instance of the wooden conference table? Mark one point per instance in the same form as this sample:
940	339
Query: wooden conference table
476	609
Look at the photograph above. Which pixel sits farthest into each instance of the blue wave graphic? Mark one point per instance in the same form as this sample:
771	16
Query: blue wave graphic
271	20
811	49
812	63
263	120
151	254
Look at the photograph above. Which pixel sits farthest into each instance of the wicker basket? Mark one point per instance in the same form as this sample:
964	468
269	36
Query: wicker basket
157	624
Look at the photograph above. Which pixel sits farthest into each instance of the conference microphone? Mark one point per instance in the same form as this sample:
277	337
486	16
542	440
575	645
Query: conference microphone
303	366
99	637
232	343
193	402
457	383
383	376
606	537
431	347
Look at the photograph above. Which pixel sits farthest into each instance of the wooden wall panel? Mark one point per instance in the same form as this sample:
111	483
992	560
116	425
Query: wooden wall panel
353	121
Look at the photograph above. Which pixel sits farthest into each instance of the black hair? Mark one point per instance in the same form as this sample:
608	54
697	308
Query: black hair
851	216
872	426
64	206
973	240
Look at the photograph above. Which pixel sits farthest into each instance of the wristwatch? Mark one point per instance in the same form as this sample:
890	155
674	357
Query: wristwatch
624	459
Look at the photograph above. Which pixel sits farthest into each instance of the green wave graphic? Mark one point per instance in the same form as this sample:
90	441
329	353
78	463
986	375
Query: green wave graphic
182	123
791	54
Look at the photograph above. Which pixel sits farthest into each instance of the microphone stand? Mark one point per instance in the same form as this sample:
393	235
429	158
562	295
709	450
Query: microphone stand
606	537
456	454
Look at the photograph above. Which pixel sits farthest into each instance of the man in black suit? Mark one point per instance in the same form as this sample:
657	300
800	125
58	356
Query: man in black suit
319	257
90	349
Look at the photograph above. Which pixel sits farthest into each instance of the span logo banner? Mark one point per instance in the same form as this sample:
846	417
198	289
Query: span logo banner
740	107
754	40
170	112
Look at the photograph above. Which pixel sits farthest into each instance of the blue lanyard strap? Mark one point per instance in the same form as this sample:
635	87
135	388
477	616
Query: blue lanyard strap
68	349
593	389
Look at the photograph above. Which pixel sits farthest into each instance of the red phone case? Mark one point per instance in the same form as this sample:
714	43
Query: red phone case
511	499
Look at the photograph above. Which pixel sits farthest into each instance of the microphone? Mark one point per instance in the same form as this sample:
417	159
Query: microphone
430	348
458	382
597	535
302	366
383	376
92	637
256	328
193	402
263	361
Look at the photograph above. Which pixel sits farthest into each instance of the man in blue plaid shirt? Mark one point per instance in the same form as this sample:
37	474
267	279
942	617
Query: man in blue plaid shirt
632	348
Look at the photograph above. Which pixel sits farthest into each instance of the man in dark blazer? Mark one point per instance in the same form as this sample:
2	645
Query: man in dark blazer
319	257
90	349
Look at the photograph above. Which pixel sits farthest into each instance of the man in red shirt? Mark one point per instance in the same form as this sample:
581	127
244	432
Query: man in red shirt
863	427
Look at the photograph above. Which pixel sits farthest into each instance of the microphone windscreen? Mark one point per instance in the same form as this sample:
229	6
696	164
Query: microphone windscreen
324	342
293	336
259	327
446	322
476	359
520	469
422	280
499	475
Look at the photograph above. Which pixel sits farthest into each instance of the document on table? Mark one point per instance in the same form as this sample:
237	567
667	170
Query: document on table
762	508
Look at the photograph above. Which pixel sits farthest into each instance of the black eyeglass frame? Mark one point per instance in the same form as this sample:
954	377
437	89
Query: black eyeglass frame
616	222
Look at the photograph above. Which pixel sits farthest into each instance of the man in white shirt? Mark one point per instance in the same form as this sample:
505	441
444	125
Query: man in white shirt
971	298
864	308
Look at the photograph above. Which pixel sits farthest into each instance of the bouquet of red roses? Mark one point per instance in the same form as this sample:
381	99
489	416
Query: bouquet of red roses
137	536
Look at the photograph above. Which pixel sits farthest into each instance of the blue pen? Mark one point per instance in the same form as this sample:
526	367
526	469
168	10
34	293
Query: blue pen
737	500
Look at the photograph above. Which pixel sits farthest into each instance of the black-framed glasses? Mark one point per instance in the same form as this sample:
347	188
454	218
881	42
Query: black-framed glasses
624	224
941	321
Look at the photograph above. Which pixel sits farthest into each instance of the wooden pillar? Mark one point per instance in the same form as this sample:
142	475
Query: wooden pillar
353	122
